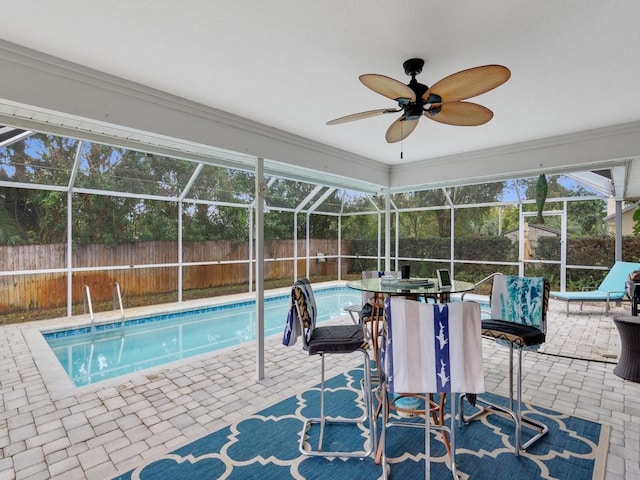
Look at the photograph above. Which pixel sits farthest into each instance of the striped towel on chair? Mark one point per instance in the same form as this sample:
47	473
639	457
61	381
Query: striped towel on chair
302	295
433	348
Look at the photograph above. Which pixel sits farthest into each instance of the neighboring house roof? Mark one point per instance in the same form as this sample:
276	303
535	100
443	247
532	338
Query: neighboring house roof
537	226
625	209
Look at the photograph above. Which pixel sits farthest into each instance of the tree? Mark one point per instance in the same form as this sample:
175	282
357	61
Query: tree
438	222
636	220
586	218
510	218
38	216
122	195
9	234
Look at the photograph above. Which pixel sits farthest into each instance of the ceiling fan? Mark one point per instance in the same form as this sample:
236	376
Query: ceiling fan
443	102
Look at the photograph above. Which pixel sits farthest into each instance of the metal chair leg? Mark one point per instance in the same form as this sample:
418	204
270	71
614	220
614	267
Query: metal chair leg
428	427
323	420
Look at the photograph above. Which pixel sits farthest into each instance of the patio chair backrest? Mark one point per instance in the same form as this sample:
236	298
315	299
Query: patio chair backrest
301	319
305	303
617	276
523	300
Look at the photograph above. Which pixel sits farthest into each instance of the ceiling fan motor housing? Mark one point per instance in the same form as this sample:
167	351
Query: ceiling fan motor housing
414	110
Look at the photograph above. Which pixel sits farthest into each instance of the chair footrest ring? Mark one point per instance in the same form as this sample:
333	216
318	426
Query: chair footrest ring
322	453
519	420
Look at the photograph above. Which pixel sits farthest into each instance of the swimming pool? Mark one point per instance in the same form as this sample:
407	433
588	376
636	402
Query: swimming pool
146	342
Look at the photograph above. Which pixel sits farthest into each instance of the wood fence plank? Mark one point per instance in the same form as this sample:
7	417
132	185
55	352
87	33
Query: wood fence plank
48	290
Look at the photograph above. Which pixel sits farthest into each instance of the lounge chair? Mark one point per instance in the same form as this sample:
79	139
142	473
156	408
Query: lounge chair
612	287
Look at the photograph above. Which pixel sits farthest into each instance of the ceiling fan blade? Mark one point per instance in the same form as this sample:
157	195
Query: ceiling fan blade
361	115
388	87
400	129
469	83
464	114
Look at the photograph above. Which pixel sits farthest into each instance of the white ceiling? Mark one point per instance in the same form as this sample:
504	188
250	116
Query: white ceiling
293	65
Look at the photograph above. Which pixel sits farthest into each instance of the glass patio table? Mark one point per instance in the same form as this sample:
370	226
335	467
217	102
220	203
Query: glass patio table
417	287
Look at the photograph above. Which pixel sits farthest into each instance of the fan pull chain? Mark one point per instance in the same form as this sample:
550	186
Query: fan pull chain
401	142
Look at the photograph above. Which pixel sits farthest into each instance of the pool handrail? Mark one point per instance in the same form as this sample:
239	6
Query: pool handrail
484	280
86	303
117	295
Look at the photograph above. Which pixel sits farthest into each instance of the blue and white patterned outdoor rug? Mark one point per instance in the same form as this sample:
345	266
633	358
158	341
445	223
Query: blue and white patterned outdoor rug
265	446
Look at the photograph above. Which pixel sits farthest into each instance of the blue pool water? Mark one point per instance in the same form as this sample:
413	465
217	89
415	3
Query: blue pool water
147	342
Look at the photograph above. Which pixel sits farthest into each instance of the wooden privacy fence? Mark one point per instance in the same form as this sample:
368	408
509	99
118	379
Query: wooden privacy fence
206	265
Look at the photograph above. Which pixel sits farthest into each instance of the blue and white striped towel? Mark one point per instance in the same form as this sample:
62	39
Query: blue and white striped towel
433	348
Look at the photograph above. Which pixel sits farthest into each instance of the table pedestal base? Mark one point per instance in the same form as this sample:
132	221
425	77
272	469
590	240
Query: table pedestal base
629	362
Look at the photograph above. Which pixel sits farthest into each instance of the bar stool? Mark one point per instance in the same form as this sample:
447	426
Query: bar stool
323	341
519	308
429	348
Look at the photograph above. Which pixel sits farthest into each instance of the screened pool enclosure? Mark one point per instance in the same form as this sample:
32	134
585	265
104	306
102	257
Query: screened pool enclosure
78	213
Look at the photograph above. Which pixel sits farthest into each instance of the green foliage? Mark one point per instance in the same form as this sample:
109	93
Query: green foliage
580	280
278	225
586	218
476	249
548	248
39	215
636	220
360	227
9	234
418	224
631	249
510	218
597	251
583	217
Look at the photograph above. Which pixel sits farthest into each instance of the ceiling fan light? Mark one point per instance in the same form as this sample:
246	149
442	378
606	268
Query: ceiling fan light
413	111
